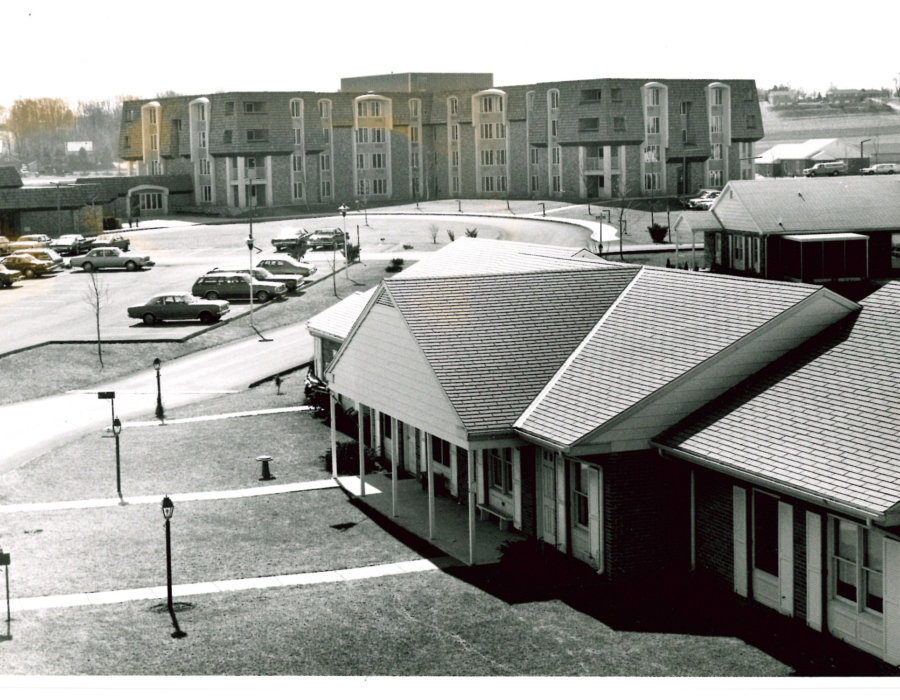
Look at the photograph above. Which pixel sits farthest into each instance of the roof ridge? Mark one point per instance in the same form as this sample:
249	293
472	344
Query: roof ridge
511	273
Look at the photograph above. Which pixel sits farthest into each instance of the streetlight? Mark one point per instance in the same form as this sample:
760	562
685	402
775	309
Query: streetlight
117	430
861	150
168	508
344	209
160	413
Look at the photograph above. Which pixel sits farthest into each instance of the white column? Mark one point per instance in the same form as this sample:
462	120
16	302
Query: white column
814	570
394	466
739	522
430	487
362	449
473	494
332	402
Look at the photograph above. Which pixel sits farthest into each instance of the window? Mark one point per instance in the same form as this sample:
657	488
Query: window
579	494
751	121
454	133
618	123
554	127
298	190
153	142
155	167
201	137
529	101
362	109
535	183
487	131
257	134
589	124
326	135
715	124
385	425
127	142
206	193
455	184
557	183
362	187
229	109
653	97
616	94
360	161
151	200
492	104
201	112
176	125
534	156
765	533
129	115
651	181
375	109
716	178
415	185
324	161
151	115
324	109
556	155
414	134
440	451
717	151
857	553
204	166
379	186
250	163
297	163
718	95
378	135
454	106
296	108
454	158
685	109
414	108
254	107
500	156
651	154
500	469
298	137
653	125
554	99
379	159
487	183
590	95
501	131
326	188
362	136
501	183
487	157
413	158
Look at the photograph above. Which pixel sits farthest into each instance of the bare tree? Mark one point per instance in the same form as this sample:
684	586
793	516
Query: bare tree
433	231
98	297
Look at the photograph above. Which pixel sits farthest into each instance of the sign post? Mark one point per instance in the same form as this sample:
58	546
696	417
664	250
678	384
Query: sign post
4	562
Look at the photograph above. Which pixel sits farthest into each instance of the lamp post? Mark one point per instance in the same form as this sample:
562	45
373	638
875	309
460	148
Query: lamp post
344	209
168	508
459	205
160	413
861	150
117	430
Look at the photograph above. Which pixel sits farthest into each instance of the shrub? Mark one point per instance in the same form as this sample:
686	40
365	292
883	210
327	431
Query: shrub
450	235
348	459
472	233
658	232
407	246
395	266
352	252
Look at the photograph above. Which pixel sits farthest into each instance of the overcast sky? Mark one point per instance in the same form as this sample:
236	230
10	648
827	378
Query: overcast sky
95	49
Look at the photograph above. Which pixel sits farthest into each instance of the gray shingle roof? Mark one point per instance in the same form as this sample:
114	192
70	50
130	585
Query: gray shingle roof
824	419
666	323
494	341
337	320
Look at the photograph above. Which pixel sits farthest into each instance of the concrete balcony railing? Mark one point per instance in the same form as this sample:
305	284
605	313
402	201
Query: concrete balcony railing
254	173
593	163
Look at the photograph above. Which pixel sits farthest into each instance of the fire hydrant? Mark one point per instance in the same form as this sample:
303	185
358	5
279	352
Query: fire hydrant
265	459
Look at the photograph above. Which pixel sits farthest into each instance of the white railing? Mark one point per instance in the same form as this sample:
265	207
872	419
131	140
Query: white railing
593	164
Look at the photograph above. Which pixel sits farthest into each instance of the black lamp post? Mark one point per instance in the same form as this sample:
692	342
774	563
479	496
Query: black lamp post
344	209
117	430
160	413
168	508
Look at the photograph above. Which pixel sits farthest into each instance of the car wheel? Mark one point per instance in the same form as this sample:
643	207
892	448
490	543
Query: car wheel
212	295
88	267
834	173
206	317
29	273
149	319
131	266
262	296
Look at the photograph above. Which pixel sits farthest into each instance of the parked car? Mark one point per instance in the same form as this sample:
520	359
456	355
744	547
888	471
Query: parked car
837	167
48	254
881	169
704	199
285	264
72	244
31	240
4	245
115	240
100	258
292	282
329	238
227	285
179	306
290	241
27	264
8	276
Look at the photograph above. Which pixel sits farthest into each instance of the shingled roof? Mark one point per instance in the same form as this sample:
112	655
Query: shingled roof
665	324
493	341
823	420
336	321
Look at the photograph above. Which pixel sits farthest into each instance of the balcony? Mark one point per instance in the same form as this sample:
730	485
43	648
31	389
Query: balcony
593	164
254	173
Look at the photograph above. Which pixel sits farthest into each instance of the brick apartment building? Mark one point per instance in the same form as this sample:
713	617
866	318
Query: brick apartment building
401	137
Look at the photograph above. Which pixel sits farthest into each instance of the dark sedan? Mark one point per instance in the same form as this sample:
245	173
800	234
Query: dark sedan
27	264
179	306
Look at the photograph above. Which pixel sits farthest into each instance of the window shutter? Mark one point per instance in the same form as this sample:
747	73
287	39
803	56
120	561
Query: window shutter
892	601
814	571
561	534
517	488
786	556
594	498
739	506
454	473
479	474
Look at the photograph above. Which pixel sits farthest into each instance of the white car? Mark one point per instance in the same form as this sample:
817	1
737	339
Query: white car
881	169
704	199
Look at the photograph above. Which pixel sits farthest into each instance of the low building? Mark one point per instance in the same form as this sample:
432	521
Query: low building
790	159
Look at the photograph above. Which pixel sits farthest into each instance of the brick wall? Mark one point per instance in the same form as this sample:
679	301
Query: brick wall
342	167
527	462
281	180
462	474
714	519
518	160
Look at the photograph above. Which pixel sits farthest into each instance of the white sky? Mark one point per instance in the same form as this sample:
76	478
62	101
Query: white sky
97	49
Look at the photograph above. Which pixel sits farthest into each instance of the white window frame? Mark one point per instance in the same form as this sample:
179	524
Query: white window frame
653	125
554	99
651	153
379	186
151	115
326	188
298	137
500	470
362	135
454	105
154	142
296	108
204	166
206	193
862	573
653	97
454	132
651	182
325	161
298	190
378	135
297	163
534	156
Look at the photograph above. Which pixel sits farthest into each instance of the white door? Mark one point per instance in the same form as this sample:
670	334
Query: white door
548	497
773	555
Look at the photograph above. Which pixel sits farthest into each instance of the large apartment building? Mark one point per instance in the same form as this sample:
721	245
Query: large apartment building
426	136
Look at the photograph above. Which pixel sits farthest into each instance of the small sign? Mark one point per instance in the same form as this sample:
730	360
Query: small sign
106	395
4	559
